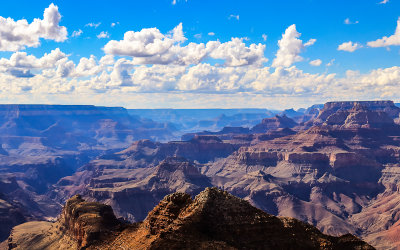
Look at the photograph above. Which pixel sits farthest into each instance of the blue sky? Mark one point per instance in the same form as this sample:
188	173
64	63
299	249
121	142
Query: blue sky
250	72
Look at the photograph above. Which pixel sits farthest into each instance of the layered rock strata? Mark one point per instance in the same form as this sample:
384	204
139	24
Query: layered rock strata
213	220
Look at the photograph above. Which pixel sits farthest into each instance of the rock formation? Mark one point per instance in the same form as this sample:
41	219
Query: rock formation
273	124
80	224
326	175
213	220
360	116
338	171
133	193
138	161
332	107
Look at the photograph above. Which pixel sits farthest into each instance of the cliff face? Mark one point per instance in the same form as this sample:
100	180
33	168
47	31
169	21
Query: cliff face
273	124
332	107
360	116
201	148
79	226
213	220
134	164
133	193
85	222
93	125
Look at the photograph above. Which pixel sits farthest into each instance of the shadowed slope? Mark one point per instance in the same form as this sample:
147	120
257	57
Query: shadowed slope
213	220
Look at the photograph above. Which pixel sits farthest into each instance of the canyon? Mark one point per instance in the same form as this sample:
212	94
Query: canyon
334	166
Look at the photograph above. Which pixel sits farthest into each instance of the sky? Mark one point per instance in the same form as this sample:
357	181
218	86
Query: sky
199	53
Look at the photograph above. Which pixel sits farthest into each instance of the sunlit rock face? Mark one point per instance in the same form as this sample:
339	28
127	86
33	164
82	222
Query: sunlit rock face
332	107
214	219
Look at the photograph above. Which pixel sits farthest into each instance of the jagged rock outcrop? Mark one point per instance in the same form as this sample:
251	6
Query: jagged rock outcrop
86	221
213	220
273	124
79	226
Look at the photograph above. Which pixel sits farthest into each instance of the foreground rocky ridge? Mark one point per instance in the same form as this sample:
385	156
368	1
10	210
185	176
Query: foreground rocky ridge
213	220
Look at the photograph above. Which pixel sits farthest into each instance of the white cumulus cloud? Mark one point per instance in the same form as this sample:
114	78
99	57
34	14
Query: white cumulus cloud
310	42
349	46
57	79
236	53
290	47
388	41
144	43
316	62
150	46
17	35
155	63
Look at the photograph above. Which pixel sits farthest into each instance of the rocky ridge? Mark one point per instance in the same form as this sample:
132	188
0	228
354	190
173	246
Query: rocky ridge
133	193
140	160
332	107
214	219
